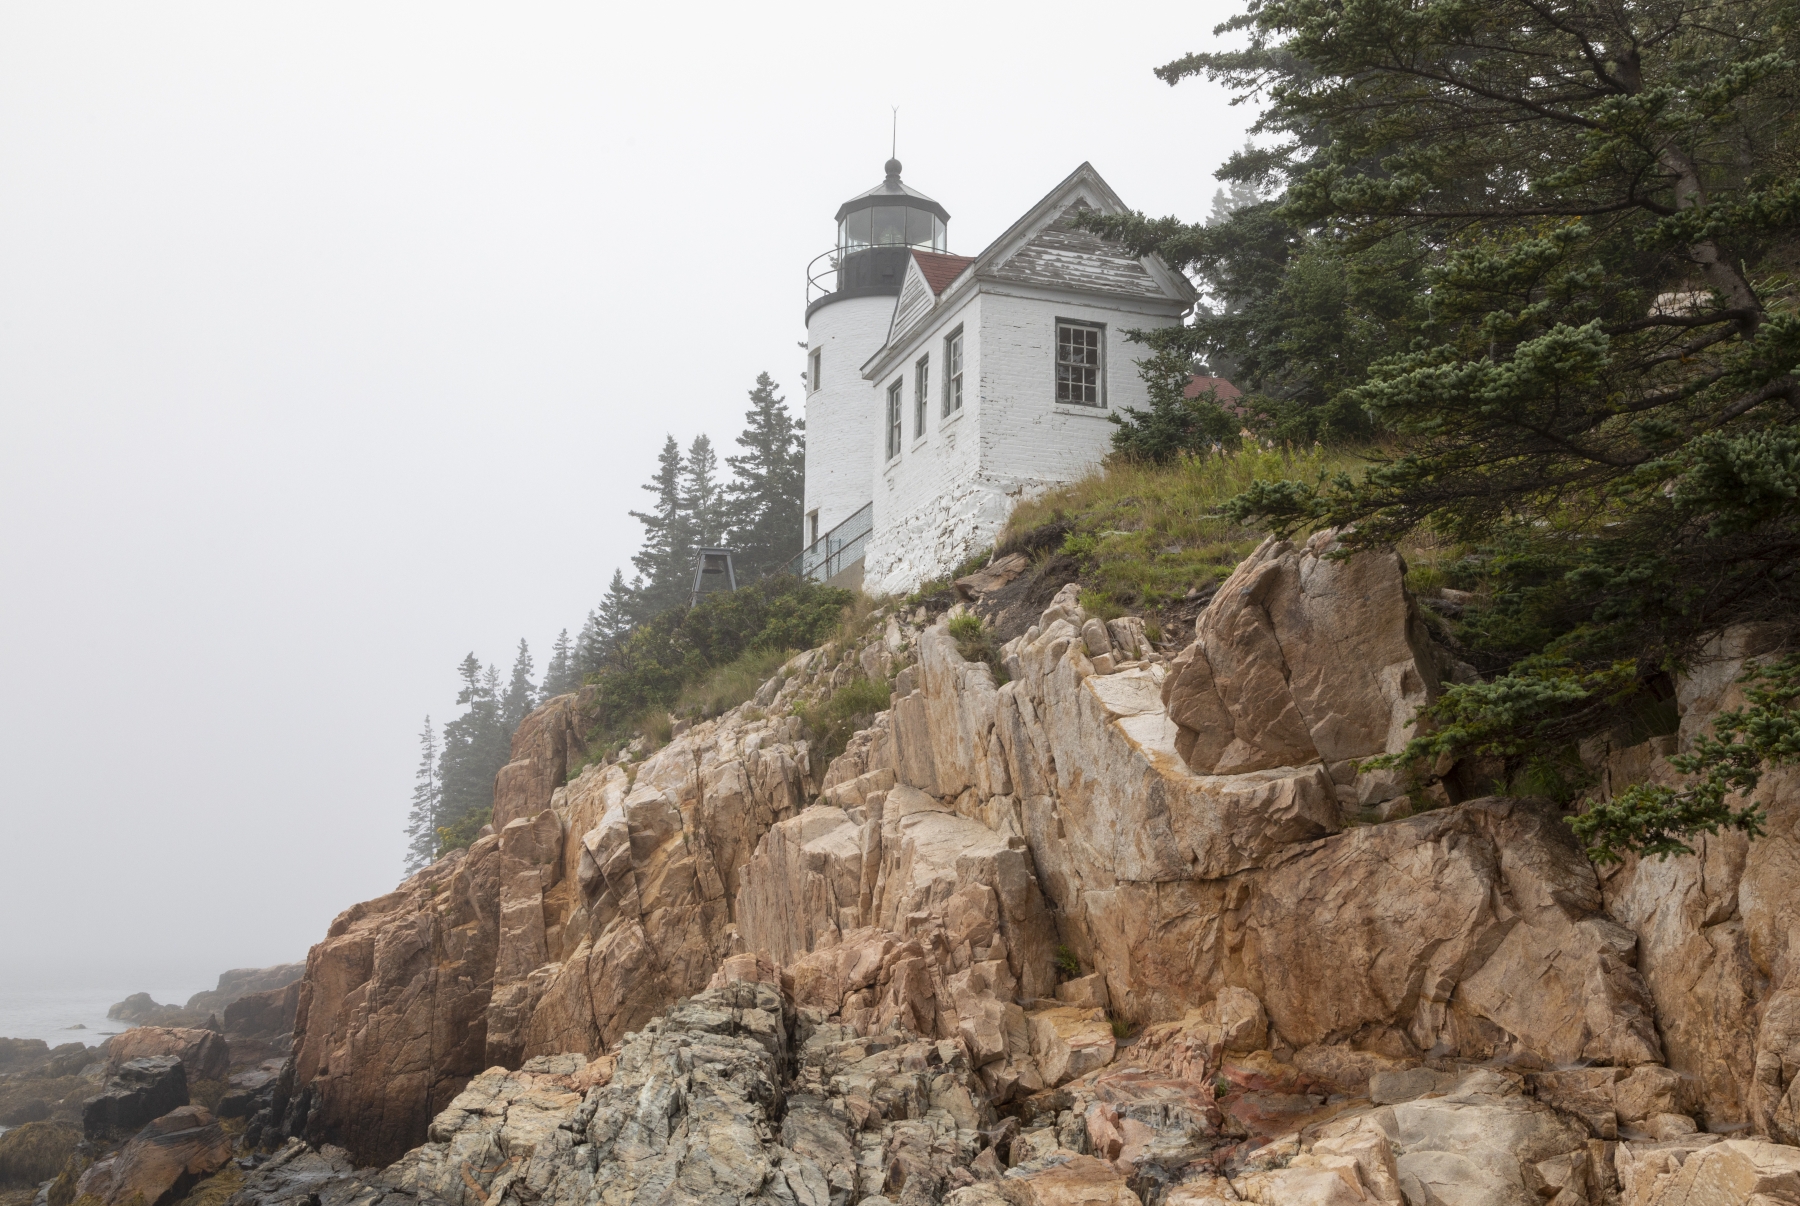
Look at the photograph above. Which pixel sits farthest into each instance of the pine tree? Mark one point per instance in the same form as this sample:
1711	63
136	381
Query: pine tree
658	559
606	625
702	501
475	748
520	694
422	821
560	675
1238	194
765	496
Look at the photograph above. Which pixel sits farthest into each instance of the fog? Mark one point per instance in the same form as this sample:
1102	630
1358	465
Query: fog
335	340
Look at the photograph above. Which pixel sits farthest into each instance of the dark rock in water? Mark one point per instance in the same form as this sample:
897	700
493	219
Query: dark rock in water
20	1053
141	1090
138	1007
161	1162
243	981
70	1058
34	1110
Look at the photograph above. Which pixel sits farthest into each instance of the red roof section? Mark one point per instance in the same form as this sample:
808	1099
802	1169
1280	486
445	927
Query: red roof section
1227	392
940	269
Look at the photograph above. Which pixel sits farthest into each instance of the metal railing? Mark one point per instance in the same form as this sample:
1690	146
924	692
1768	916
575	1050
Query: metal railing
825	273
836	550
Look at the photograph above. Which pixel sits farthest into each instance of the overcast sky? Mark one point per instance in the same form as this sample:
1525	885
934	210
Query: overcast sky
335	340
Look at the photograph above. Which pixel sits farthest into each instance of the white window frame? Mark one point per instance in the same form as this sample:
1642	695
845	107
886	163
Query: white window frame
921	394
817	365
812	527
895	419
1099	365
954	350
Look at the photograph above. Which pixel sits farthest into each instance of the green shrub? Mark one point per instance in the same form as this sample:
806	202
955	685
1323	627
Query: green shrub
35	1152
683	647
975	641
1068	965
831	722
459	834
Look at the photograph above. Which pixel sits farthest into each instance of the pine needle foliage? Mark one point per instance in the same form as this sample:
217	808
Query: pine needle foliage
1546	250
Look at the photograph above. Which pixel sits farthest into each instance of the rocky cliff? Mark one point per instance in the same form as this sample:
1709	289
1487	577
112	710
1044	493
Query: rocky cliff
1143	909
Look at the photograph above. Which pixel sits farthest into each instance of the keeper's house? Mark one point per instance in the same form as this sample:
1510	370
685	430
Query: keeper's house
941	389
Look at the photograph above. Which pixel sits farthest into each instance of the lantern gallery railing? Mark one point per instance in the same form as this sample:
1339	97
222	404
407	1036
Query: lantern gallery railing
835	551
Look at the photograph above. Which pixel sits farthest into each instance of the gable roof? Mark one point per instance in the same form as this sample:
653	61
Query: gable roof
1043	249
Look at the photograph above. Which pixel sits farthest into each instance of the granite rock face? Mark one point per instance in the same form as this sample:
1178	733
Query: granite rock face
1190	831
584	916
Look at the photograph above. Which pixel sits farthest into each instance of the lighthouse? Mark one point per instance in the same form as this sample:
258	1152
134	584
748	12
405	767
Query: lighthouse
851	291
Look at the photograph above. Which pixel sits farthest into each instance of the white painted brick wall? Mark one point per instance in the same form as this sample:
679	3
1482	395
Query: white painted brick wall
840	415
949	495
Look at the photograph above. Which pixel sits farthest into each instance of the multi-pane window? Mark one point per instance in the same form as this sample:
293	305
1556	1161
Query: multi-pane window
921	389
893	420
812	376
1078	363
953	372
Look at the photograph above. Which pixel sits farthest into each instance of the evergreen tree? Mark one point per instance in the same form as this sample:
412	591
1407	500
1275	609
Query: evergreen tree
1546	246
702	501
520	694
765	495
606	625
422	821
665	580
475	748
560	675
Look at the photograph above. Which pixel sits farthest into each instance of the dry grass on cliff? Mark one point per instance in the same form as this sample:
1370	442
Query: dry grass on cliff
1145	535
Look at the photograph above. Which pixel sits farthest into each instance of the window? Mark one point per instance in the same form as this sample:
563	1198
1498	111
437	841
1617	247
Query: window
953	371
812	527
812	377
1078	363
893	419
921	389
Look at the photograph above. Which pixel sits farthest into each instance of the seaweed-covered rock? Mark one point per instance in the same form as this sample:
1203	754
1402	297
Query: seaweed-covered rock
34	1152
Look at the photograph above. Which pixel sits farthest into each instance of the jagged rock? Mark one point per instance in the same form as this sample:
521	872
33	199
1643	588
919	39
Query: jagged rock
1714	929
568	927
204	1054
161	1162
539	762
700	1109
300	1175
1304	659
138	1091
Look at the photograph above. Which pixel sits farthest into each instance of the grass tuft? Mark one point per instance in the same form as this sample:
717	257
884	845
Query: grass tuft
1144	535
731	684
831	722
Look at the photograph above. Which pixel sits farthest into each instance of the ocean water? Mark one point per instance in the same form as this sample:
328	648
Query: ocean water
56	1015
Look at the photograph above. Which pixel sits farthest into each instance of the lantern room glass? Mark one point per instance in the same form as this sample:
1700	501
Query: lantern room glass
891	226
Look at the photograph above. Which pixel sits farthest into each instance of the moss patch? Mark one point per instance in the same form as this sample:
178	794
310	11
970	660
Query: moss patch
35	1152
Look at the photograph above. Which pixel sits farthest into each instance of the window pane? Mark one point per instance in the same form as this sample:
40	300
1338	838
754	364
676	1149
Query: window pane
855	229
938	241
918	227
890	225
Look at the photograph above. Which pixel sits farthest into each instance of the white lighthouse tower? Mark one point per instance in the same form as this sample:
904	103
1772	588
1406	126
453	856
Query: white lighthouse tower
851	291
